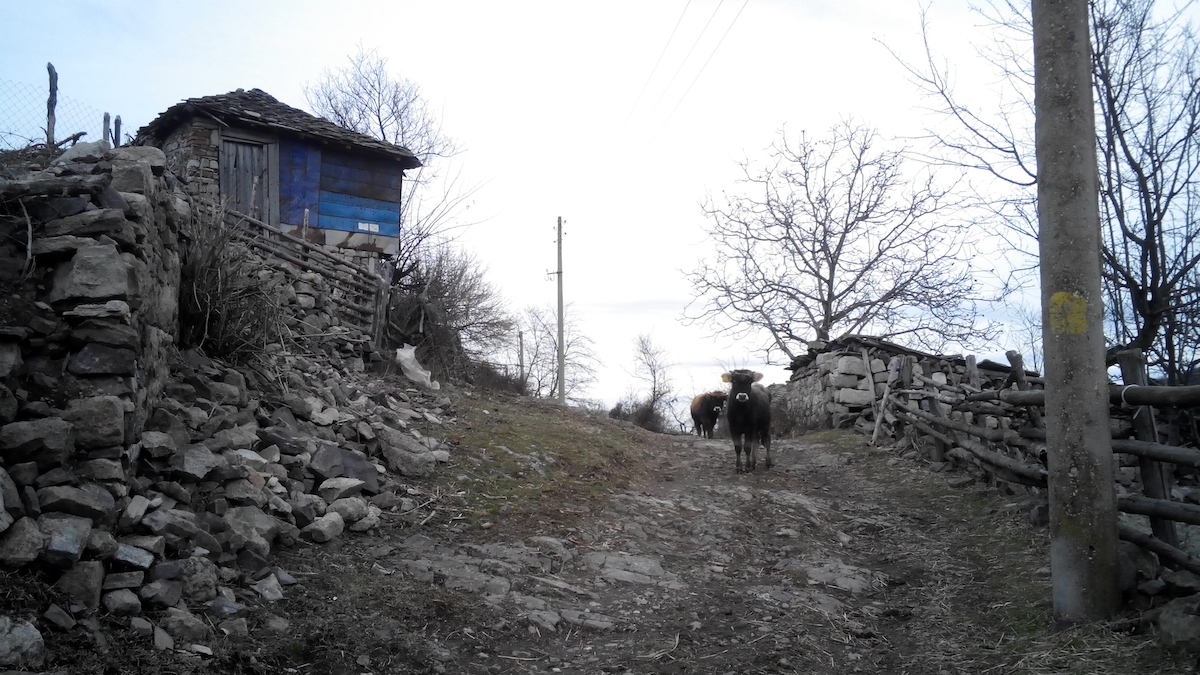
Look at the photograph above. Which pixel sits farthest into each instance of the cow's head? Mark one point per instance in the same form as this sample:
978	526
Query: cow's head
717	399
740	382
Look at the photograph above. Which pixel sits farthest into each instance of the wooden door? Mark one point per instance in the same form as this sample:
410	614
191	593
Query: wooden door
244	177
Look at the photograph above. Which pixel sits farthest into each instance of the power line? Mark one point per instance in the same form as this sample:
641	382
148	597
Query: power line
656	63
686	56
701	72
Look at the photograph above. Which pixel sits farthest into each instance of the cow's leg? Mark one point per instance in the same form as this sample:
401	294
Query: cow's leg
737	452
766	441
751	453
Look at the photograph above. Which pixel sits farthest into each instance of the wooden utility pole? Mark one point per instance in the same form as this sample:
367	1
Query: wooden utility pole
1083	510
562	347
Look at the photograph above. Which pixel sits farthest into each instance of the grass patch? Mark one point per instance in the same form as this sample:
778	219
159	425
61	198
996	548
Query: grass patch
517	458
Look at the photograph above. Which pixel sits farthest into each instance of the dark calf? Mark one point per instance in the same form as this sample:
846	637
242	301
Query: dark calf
749	415
706	409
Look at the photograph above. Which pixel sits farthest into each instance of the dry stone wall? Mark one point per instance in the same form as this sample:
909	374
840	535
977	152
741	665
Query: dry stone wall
150	483
966	419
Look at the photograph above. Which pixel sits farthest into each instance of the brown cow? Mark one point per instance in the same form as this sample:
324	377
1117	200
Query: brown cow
749	416
706	408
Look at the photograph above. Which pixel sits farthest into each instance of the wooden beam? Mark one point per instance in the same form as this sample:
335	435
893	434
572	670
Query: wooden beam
1160	508
1158	451
1164	550
1163	397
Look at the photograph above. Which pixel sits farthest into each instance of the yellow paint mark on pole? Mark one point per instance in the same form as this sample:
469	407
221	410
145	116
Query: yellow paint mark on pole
1068	313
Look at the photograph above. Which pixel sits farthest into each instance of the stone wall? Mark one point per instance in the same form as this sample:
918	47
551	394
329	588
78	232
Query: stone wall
145	482
90	328
193	153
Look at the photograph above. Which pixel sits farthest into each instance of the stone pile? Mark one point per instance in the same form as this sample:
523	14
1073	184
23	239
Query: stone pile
151	484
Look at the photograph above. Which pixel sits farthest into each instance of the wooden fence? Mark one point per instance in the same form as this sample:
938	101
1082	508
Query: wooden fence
360	295
943	411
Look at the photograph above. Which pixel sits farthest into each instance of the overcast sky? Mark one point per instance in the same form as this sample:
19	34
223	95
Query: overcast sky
556	108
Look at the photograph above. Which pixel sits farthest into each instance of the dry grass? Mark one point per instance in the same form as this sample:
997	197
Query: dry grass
984	606
522	454
229	307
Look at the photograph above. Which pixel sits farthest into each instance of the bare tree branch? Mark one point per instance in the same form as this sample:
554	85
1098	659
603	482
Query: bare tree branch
835	235
1147	90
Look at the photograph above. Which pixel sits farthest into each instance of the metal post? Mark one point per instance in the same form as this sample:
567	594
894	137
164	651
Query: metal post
1083	512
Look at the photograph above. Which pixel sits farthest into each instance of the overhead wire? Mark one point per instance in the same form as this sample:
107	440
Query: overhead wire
686	56
656	64
701	71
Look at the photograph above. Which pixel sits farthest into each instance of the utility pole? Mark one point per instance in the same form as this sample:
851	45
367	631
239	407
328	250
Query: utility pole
521	358
1083	512
562	347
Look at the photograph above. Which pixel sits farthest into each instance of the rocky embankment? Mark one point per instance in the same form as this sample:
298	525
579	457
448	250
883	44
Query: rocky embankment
225	476
152	486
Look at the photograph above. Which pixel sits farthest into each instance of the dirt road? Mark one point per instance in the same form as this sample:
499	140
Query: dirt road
840	559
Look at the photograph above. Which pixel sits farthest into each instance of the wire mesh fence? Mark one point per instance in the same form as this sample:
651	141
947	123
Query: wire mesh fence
23	116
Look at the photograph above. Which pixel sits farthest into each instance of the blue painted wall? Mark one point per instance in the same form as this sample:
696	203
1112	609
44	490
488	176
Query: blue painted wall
342	191
299	182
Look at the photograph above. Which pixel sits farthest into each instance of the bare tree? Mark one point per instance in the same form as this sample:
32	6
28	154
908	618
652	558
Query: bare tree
1147	91
539	326
652	367
648	408
449	311
833	236
366	97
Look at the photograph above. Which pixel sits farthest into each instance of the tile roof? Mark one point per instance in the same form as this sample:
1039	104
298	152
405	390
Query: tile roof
257	109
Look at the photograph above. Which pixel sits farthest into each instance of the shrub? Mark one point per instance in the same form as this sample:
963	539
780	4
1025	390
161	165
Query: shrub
641	413
229	307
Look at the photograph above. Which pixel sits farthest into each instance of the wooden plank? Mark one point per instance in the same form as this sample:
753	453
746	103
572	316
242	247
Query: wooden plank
365	169
357	188
360	178
328	222
365	203
359	208
300	173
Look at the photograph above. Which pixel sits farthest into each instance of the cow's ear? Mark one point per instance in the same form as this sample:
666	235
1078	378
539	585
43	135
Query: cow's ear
757	377
724	377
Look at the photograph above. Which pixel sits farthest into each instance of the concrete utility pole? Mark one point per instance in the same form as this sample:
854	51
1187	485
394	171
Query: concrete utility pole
562	346
1083	511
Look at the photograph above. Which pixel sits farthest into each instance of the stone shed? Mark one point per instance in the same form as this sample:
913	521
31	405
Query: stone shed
287	168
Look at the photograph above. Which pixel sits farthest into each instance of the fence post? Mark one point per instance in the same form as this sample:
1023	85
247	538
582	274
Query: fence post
51	104
1155	481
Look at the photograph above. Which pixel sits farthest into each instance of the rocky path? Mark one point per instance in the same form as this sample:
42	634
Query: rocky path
837	560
